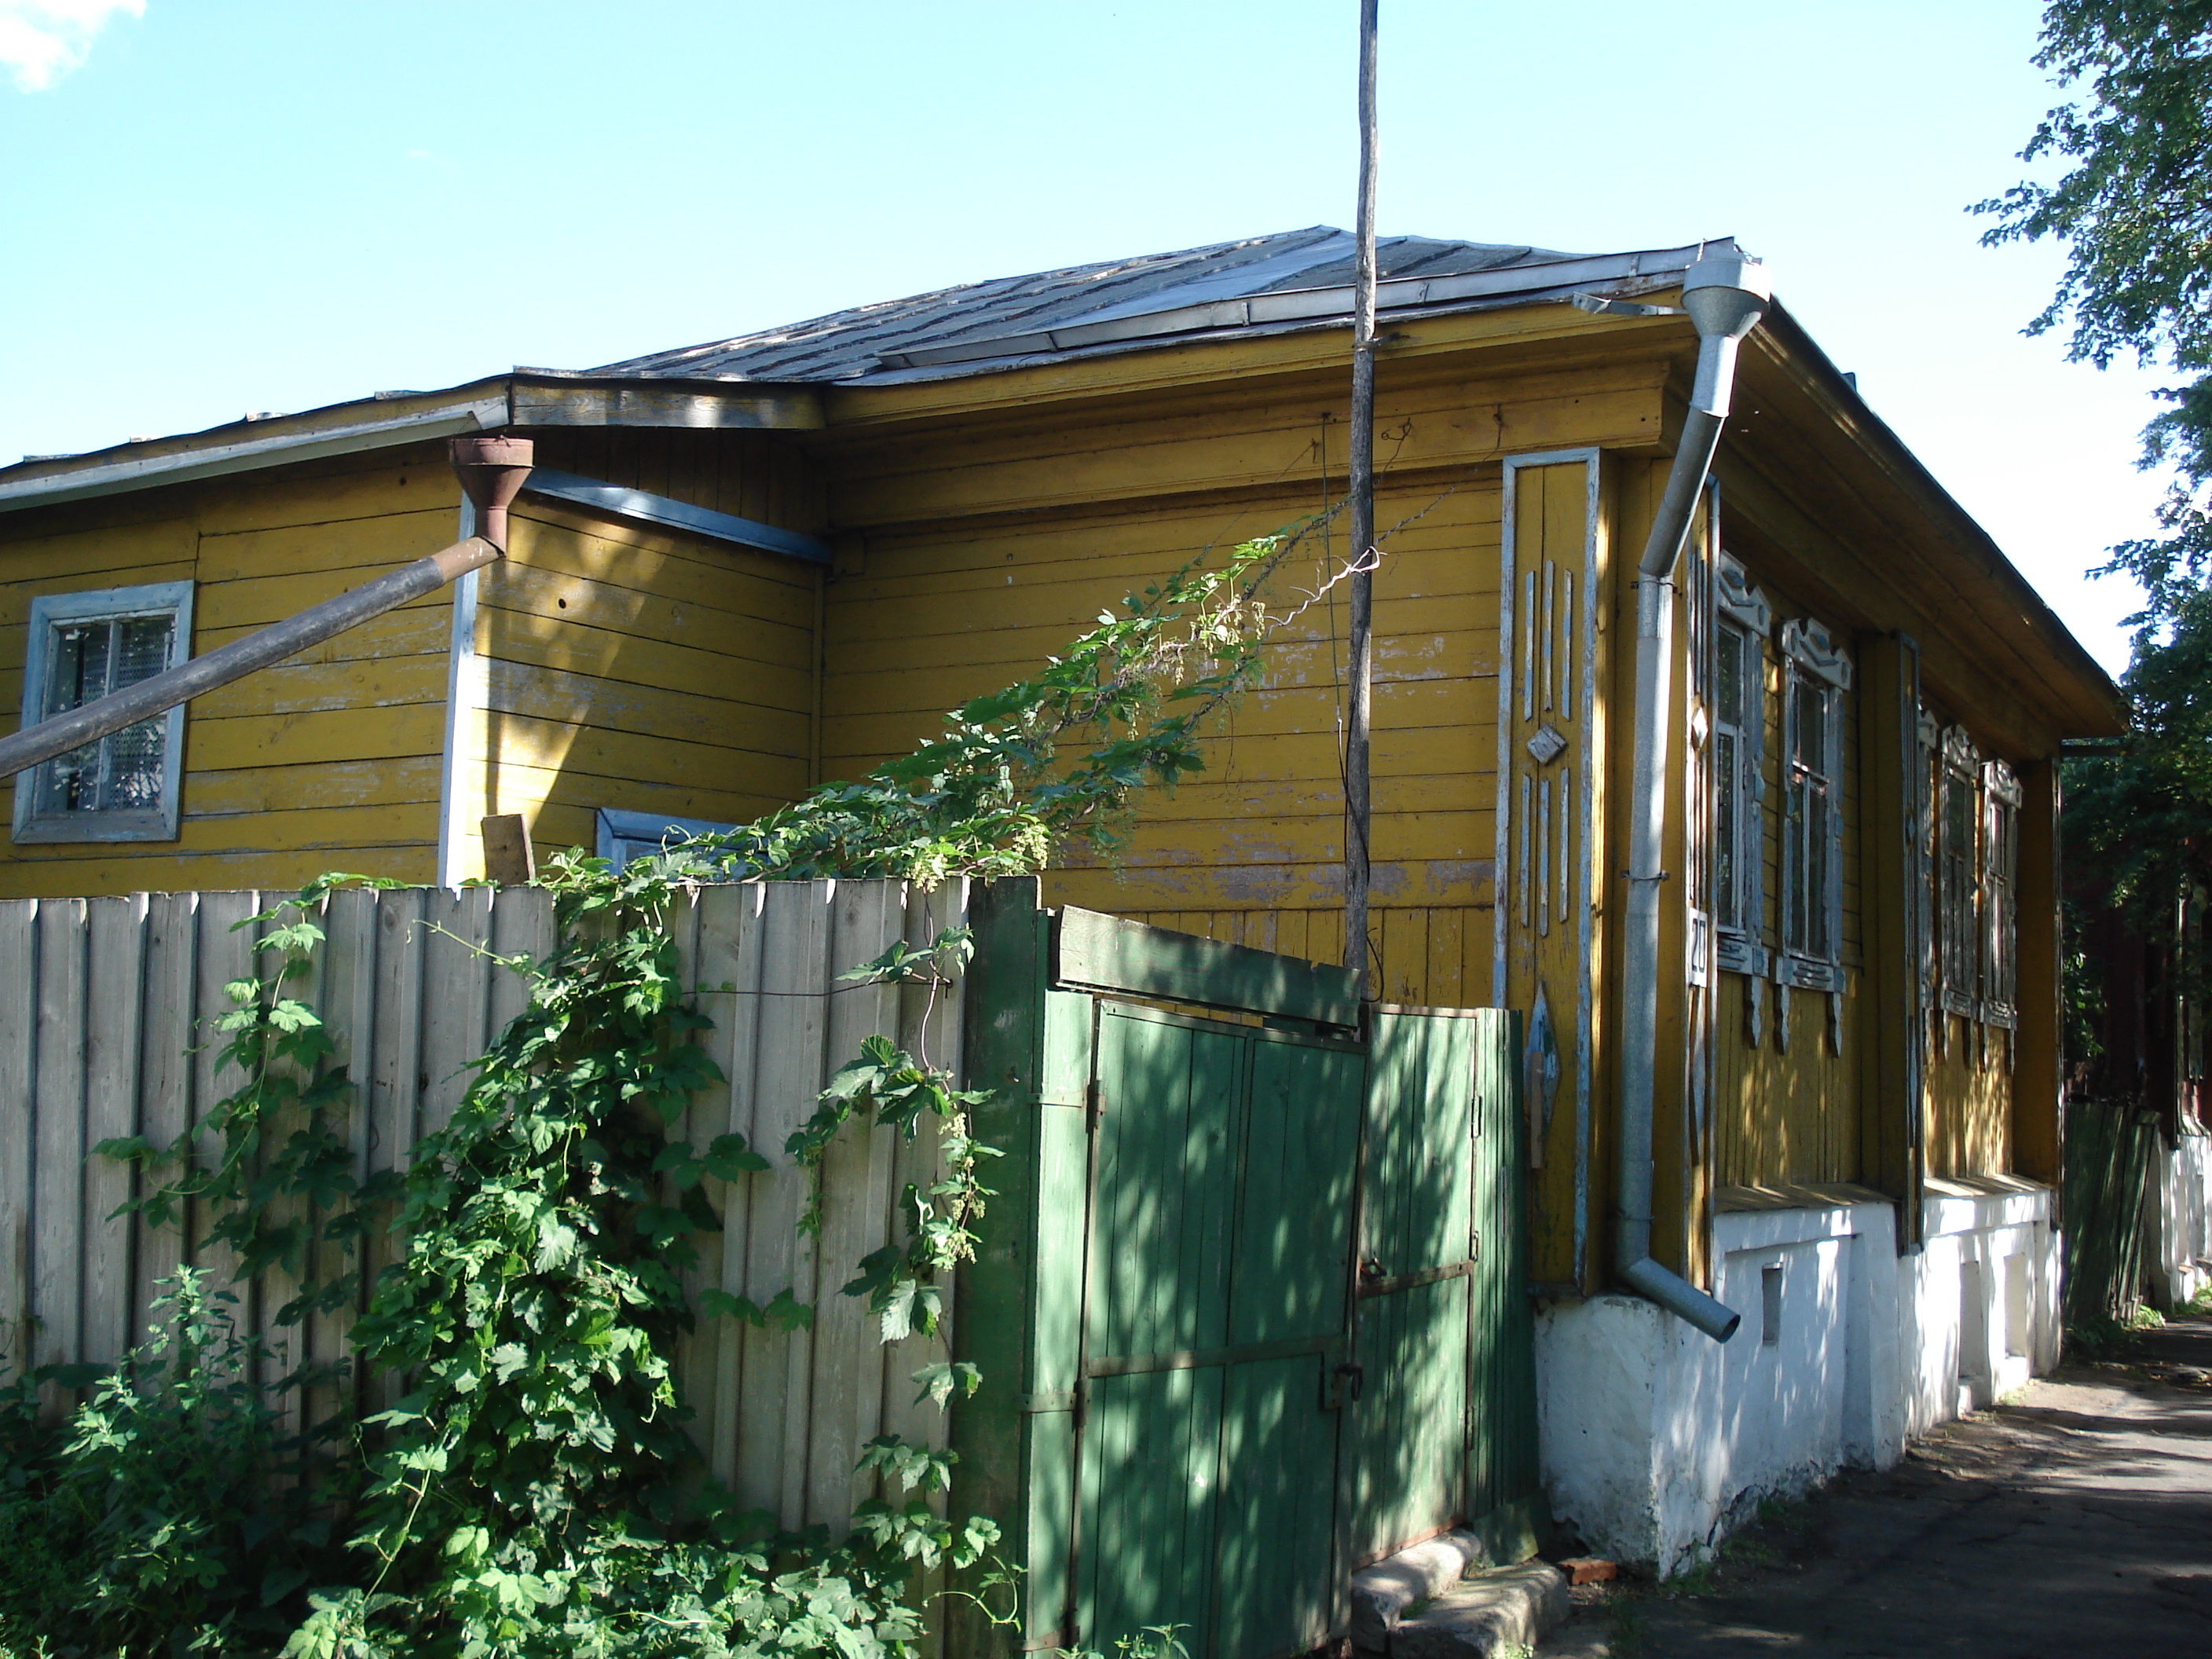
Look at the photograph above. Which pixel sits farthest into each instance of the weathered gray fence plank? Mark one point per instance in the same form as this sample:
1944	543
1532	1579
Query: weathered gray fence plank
57	1110
117	942
19	1006
107	1011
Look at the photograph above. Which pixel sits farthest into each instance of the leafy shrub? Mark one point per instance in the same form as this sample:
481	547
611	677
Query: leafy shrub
171	1512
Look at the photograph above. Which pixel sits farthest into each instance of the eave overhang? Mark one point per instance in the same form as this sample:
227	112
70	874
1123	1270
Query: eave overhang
523	399
2010	624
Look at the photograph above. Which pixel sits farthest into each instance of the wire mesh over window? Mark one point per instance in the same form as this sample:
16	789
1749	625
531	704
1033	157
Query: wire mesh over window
85	661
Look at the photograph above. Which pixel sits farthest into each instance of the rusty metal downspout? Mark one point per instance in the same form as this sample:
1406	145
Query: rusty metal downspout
491	469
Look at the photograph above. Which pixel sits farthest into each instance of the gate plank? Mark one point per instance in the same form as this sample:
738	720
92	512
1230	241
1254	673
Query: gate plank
1110	953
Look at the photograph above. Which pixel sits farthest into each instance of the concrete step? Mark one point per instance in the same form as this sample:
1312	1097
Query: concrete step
1436	1600
1380	1594
1499	1611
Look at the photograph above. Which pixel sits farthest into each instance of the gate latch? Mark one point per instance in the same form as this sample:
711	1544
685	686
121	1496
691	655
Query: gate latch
1345	1383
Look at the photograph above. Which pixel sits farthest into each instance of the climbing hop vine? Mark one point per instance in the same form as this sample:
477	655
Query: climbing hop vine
526	1483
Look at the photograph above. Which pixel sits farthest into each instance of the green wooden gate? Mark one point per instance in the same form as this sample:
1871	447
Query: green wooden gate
1236	1332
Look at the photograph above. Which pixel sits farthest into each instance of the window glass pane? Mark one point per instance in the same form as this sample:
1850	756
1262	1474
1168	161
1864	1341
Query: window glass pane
86	661
1728	676
77	669
1724	826
1815	884
1793	829
1811	748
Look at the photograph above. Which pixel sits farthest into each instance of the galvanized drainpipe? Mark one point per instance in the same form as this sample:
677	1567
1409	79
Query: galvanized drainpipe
1725	295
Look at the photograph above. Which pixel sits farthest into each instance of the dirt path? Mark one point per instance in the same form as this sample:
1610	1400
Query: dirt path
2073	1522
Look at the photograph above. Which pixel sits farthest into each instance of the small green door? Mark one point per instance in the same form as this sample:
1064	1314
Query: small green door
1219	1255
1443	1431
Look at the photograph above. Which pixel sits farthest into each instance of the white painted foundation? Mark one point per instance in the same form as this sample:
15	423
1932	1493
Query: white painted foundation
2178	1212
1657	1441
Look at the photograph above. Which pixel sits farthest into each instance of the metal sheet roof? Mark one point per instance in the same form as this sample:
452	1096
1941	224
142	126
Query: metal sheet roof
1298	278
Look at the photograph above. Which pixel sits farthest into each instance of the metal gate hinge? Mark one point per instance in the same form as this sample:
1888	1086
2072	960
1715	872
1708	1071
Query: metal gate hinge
1346	1383
1094	1100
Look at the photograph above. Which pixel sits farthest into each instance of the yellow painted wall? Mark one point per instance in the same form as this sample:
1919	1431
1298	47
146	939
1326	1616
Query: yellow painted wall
989	548
1251	848
1970	1090
640	669
329	761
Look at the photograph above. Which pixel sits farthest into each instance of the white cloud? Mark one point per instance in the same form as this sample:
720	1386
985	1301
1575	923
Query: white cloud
44	39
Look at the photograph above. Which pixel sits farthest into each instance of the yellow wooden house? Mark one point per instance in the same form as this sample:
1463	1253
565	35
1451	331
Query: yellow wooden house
750	566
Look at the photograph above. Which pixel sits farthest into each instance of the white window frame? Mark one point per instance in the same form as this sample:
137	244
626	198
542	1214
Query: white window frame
1742	610
2000	885
1813	666
1958	877
52	611
625	835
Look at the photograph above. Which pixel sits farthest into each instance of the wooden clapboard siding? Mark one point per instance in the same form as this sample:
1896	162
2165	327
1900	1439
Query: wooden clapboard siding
105	1011
944	613
1970	1100
1242	437
331	761
643	670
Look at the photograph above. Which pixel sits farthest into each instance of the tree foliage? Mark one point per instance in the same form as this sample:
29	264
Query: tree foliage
2132	204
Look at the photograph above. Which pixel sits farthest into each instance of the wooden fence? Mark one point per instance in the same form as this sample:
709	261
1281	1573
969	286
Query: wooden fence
106	1031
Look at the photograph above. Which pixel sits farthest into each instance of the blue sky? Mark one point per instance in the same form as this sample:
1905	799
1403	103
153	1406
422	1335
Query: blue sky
211	206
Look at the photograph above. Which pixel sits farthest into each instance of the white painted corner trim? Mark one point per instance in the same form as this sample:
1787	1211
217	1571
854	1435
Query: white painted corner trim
467	691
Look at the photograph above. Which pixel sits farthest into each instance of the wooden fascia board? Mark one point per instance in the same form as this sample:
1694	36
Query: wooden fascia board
1897	492
1323	349
241	446
689	406
487	405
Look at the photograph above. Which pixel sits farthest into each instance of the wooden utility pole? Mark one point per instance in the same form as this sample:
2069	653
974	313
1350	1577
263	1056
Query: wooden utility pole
1357	813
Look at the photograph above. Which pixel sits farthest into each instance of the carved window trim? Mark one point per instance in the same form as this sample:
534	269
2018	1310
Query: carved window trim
1736	599
2001	799
1809	921
1958	884
1743	621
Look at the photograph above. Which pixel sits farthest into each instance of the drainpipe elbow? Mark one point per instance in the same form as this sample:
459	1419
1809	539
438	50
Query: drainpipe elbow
1680	1298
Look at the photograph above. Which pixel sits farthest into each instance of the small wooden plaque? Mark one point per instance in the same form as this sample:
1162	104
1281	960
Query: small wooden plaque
507	857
